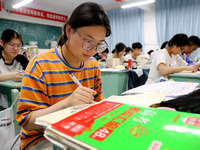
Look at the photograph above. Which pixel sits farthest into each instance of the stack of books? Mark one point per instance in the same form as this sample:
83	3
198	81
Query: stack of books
112	125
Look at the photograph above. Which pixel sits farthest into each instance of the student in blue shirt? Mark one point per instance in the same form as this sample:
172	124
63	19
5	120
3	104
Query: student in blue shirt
194	44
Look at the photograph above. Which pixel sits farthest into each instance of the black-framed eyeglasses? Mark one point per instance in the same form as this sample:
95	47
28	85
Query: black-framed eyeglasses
13	46
89	44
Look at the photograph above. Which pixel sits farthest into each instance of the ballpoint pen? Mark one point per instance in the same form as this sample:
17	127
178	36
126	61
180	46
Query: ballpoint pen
19	71
76	81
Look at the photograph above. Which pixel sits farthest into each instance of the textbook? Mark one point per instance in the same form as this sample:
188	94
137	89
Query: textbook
144	100
116	126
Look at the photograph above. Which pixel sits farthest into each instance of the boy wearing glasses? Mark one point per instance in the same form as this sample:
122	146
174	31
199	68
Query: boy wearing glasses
47	86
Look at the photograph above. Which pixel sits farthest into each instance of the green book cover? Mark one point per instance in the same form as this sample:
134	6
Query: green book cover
112	126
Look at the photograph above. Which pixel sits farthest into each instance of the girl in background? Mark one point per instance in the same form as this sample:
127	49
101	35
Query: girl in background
118	53
166	60
47	86
12	64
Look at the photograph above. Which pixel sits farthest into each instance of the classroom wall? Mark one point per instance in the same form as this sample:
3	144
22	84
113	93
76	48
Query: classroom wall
6	15
32	29
150	35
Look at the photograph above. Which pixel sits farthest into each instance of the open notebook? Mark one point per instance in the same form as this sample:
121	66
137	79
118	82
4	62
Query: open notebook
144	100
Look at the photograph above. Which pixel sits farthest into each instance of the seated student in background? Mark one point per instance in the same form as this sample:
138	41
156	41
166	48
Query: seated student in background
47	86
12	64
193	45
150	53
128	51
101	56
167	60
116	53
137	49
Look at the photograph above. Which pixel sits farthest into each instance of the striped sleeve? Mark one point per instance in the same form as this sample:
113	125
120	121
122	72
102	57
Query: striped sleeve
33	93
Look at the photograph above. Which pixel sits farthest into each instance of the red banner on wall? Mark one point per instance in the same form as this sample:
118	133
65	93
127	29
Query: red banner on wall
40	14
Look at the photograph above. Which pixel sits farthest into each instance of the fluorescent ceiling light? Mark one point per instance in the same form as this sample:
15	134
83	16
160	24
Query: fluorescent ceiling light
137	3
22	3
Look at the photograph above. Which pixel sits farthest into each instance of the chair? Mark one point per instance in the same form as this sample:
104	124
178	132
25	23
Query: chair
14	94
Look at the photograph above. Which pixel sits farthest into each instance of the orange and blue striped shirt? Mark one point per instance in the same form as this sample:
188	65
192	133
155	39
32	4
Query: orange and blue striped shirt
46	82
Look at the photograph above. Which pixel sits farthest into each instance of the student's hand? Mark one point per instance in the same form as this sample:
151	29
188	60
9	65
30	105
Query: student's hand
192	68
17	76
82	95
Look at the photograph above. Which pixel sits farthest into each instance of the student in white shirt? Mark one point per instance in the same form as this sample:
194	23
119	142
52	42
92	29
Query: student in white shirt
166	60
137	49
118	53
12	64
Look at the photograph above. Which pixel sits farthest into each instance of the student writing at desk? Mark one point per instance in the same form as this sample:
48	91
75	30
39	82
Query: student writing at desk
12	64
101	56
194	44
167	60
117	53
47	86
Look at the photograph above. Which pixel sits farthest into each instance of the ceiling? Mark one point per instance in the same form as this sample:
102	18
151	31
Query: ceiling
65	7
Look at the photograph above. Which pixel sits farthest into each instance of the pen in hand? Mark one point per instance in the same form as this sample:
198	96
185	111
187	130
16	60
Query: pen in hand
76	81
19	71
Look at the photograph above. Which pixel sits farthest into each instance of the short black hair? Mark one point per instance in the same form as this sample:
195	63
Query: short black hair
106	50
86	14
128	49
194	40
151	51
136	45
120	47
8	35
180	39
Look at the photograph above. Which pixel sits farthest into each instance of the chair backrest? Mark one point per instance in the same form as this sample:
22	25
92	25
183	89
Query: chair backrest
15	98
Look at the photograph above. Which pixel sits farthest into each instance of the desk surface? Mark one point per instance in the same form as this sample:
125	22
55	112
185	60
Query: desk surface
11	84
186	76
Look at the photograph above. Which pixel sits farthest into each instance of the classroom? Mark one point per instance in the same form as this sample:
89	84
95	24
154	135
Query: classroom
75	73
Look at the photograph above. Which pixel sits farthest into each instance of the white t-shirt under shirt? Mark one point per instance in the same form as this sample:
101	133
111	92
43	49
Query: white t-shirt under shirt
19	63
129	56
162	56
109	60
6	68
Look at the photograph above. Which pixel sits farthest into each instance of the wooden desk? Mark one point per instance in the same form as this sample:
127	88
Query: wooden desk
186	77
114	82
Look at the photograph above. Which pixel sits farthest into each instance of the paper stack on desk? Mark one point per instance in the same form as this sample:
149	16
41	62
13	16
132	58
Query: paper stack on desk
172	89
143	100
110	125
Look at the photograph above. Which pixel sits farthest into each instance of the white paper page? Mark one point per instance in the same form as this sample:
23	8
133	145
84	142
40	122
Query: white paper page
172	89
144	100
